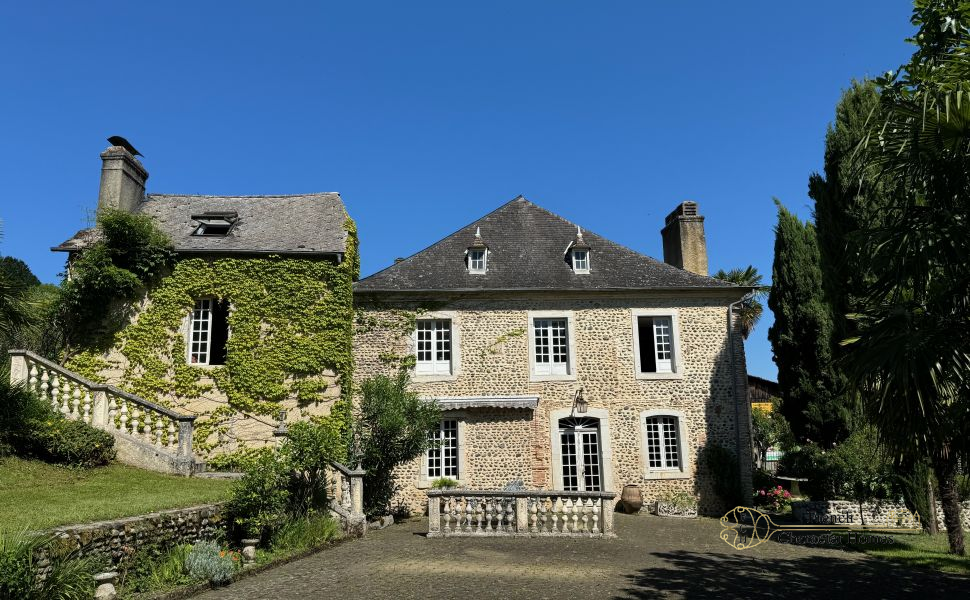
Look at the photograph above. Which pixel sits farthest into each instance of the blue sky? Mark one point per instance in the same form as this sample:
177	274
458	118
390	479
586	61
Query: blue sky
426	115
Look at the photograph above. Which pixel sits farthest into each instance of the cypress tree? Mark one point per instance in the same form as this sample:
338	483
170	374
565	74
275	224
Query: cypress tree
801	336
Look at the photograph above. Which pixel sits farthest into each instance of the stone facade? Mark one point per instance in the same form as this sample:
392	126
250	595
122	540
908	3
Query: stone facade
884	514
492	347
114	539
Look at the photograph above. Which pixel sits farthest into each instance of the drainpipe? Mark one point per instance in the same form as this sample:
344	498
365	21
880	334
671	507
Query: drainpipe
738	388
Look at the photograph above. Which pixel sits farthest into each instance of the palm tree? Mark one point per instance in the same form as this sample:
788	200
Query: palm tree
910	357
751	309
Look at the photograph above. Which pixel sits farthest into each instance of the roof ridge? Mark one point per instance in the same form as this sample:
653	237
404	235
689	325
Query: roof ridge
156	194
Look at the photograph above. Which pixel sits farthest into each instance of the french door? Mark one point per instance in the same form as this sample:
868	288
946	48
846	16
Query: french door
579	439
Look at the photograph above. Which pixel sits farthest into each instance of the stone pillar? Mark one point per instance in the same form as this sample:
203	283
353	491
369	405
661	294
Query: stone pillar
522	514
606	516
18	369
122	180
357	493
434	516
185	438
99	409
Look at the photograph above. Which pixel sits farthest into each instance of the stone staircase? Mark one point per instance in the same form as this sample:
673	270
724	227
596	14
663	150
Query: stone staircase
146	435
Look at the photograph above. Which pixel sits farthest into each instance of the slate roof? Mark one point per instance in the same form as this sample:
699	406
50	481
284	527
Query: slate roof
295	224
526	251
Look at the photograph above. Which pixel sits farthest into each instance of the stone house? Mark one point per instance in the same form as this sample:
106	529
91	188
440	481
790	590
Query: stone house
254	319
560	359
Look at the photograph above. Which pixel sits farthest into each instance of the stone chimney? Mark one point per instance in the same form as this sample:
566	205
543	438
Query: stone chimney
122	180
685	246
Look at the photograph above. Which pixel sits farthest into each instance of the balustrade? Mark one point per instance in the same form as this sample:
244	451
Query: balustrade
521	513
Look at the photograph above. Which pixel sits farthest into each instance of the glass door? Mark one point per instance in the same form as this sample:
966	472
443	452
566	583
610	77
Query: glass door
580	453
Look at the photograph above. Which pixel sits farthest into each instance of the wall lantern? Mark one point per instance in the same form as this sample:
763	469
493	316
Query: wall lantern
580	405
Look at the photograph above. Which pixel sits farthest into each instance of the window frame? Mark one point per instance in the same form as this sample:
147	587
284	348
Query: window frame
422	480
606	449
576	269
537	374
412	343
683	470
484	269
676	358
187	330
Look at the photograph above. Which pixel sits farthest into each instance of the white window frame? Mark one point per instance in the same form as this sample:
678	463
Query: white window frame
676	358
683	470
190	330
423	481
474	270
438	440
606	448
576	267
539	371
437	373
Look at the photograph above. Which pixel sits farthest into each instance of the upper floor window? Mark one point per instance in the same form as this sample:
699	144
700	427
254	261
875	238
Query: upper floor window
655	344
433	347
208	332
581	261
442	458
476	260
663	442
551	346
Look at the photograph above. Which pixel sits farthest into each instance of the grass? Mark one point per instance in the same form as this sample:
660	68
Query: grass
918	550
36	495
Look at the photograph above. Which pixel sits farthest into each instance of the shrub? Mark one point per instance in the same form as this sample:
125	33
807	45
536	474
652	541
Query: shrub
308	450
153	568
239	461
391	427
259	500
305	532
775	499
208	562
722	467
29	426
679	500
69	577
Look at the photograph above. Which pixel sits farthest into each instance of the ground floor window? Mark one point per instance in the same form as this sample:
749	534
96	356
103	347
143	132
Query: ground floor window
443	451
663	442
579	439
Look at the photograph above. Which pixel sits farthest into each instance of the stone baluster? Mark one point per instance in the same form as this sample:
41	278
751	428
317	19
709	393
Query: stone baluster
596	516
534	516
112	412
479	514
468	514
172	438
446	514
587	507
32	377
456	513
568	525
135	414
65	396
510	514
147	429
345	491
160	431
545	516
123	419
55	387
489	513
87	407
555	506
76	401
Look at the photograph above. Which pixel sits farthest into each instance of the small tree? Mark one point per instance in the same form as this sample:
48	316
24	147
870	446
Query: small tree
769	428
391	428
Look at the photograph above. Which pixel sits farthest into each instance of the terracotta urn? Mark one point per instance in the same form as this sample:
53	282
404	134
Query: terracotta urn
631	499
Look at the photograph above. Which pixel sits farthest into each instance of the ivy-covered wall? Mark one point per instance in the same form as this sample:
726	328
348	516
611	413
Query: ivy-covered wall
290	345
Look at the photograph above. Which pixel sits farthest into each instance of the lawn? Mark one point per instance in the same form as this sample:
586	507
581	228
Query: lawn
919	550
35	495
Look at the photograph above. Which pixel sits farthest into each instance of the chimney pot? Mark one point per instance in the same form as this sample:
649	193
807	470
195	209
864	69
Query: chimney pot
685	245
123	180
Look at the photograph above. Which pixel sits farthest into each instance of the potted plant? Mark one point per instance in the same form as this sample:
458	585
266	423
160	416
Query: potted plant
676	504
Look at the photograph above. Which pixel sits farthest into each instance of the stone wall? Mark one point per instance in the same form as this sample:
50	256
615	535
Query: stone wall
885	514
493	343
111	540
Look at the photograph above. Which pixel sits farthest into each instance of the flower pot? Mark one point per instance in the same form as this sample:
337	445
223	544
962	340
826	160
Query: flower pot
249	550
631	499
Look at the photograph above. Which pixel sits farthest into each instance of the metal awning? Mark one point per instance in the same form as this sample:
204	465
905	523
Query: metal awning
520	402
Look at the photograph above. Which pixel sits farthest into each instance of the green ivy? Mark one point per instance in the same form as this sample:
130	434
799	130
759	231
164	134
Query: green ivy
290	321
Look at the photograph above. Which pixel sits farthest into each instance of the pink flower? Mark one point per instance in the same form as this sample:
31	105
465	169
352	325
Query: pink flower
761	492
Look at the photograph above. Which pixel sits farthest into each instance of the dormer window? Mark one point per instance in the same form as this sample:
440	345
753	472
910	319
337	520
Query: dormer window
578	251
581	261
215	224
477	255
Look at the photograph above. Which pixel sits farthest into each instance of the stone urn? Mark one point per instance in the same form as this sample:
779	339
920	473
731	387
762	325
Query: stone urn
249	551
631	499
105	583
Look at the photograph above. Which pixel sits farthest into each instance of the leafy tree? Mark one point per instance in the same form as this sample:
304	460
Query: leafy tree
17	272
751	309
769	428
391	428
910	357
801	336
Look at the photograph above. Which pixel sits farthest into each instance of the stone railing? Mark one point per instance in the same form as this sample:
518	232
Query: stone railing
147	435
520	513
346	489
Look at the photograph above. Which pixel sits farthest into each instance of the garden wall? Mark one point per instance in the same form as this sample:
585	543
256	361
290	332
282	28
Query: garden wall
113	539
885	514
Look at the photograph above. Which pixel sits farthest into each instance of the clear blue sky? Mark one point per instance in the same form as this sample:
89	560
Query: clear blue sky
426	115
